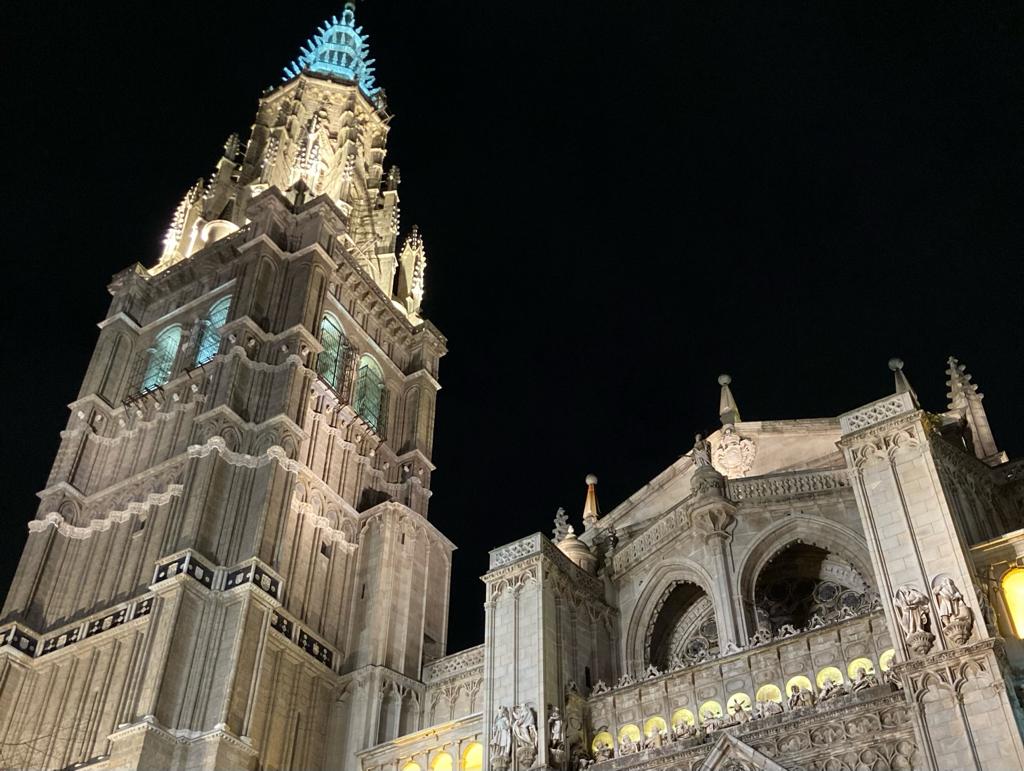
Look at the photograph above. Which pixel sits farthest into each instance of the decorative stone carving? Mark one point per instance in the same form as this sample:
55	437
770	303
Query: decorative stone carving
556	735
524	730
914	615
734	455
956	618
863	680
501	740
701	452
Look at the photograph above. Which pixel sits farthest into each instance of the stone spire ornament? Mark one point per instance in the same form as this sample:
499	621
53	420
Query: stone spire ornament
902	384
590	510
965	400
412	268
728	412
562	526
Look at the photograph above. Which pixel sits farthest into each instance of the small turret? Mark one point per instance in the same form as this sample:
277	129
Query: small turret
573	548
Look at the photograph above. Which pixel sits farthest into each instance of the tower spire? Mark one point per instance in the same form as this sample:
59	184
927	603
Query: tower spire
965	400
902	383
728	412
338	49
590	510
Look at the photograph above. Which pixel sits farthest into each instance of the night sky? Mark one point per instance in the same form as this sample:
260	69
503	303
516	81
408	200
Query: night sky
619	202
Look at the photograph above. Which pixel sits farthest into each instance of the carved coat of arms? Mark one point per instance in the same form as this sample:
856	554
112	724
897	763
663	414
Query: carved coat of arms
734	456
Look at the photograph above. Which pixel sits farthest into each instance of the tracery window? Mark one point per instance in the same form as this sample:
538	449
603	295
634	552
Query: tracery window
161	358
683	629
330	364
369	400
209	340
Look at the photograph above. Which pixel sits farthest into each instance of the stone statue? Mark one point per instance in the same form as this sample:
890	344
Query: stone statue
914	616
501	740
524	731
701	452
625	745
603	752
799	698
830	688
556	735
863	680
956	617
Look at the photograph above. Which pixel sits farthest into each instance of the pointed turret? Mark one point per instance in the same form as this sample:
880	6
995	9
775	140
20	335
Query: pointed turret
338	49
902	384
412	268
590	510
728	412
965	400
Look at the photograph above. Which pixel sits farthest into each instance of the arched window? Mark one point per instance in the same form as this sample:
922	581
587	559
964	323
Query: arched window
442	762
330	363
473	757
1013	593
161	358
369	401
209	340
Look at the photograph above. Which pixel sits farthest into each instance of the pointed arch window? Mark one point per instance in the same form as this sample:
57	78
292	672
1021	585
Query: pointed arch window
330	364
209	340
370	396
161	358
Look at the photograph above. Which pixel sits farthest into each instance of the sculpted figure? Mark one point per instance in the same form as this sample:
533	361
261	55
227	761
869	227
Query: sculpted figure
501	740
556	732
863	680
829	688
794	697
912	610
625	745
950	602
603	751
524	731
701	452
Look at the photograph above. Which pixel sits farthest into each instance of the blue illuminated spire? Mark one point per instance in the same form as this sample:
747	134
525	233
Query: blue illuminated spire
338	49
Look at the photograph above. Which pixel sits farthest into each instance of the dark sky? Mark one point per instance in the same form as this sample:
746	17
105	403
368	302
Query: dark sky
619	201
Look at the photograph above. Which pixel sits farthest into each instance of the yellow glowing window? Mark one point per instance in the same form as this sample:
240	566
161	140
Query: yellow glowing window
885	660
801	682
1013	592
412	766
442	762
603	740
710	709
473	757
769	692
629	731
682	717
655	725
829	673
856	664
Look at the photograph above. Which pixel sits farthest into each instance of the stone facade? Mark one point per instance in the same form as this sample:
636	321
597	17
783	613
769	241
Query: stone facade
232	565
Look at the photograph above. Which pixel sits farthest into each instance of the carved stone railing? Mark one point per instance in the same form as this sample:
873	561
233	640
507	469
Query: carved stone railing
658	534
516	550
454	665
787	485
876	412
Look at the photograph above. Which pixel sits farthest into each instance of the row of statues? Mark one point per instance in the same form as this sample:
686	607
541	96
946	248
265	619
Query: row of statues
514	734
914	613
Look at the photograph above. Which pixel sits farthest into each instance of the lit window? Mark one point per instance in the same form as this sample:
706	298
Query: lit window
603	740
412	766
442	762
710	709
829	673
654	725
769	692
1013	592
886	659
369	401
682	717
209	341
330	363
161	358
473	757
629	731
858	664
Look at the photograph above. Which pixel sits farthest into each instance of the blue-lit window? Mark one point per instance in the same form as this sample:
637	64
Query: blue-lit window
209	340
161	358
330	362
369	401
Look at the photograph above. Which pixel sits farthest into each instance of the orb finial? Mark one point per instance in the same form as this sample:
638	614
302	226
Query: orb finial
895	364
724	380
591	479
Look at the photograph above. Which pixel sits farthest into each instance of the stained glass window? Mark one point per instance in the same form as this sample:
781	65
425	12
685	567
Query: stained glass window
209	341
369	399
329	364
161	358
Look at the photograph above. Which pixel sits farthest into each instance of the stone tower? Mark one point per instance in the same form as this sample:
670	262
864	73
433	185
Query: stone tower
231	564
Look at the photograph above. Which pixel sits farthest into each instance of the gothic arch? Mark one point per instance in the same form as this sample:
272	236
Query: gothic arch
814	531
661	580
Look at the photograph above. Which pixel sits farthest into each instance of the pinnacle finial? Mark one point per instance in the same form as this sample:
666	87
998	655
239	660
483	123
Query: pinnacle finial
965	399
590	510
562	526
728	411
902	383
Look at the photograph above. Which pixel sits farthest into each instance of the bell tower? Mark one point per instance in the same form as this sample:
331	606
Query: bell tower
231	565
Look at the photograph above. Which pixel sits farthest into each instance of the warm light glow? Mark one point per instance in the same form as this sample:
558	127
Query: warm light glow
442	762
1013	593
603	739
885	660
654	725
831	673
412	766
473	757
803	682
869	668
738	701
769	692
682	717
710	706
630	731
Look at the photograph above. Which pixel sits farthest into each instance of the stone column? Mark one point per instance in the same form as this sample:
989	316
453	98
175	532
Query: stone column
949	665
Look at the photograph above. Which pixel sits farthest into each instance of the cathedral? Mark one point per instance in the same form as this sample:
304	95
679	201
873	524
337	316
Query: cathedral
232	564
